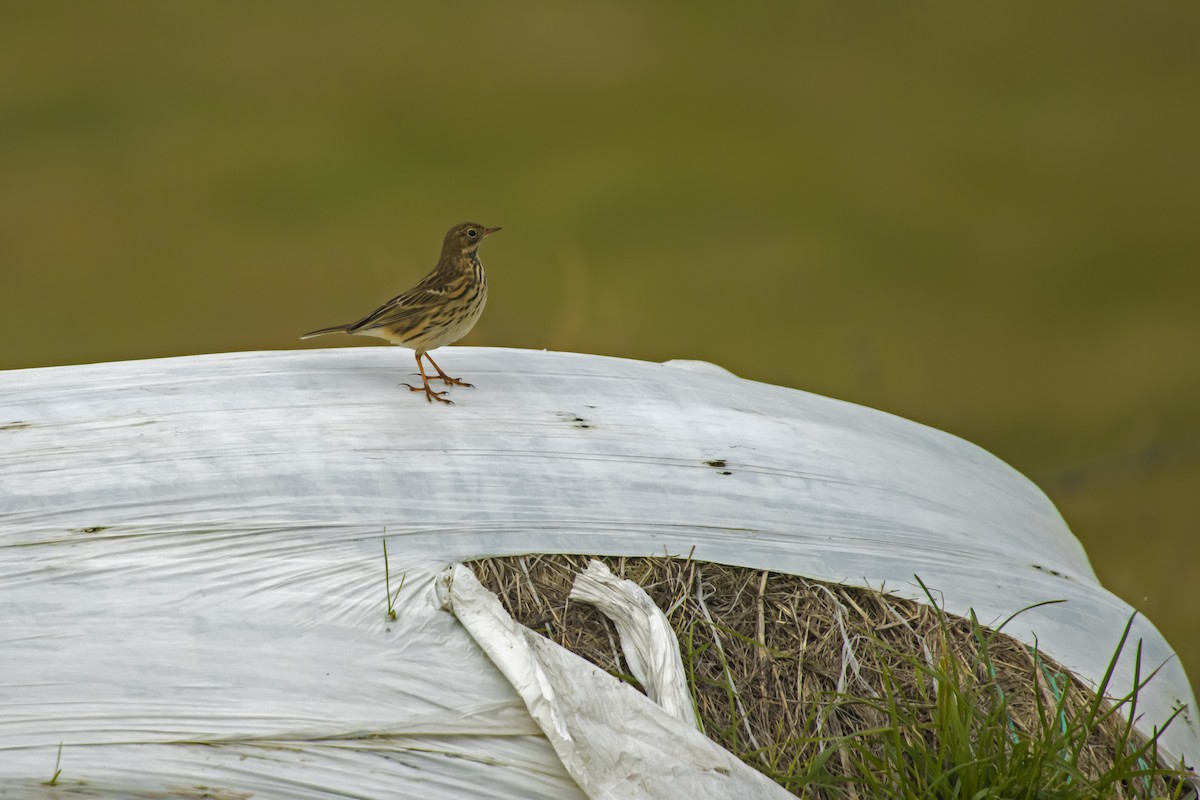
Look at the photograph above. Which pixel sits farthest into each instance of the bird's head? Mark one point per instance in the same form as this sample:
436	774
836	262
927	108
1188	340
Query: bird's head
464	238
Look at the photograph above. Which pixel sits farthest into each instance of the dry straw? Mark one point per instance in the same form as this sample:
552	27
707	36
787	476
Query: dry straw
838	691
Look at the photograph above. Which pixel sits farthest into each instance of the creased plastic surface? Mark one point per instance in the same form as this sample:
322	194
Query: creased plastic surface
647	640
191	572
615	742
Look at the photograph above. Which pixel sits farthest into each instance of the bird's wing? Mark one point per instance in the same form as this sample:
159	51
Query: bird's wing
428	293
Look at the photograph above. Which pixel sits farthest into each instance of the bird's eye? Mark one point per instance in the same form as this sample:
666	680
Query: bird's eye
471	232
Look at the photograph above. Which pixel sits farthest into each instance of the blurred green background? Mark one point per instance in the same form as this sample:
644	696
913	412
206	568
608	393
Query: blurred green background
982	217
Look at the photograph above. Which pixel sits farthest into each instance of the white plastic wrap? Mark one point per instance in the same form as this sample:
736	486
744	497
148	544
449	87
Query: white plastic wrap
191	572
616	743
647	640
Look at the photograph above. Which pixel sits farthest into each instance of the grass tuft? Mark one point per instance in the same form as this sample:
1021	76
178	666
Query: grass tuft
57	769
387	582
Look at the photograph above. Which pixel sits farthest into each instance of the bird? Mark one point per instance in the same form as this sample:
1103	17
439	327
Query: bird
439	309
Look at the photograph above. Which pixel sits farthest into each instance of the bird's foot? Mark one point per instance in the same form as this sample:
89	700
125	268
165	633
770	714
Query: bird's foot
430	394
443	377
446	379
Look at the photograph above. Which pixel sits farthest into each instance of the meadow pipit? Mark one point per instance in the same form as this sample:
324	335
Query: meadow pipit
441	308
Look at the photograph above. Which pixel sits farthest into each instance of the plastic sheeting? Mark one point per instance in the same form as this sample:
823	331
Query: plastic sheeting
191	571
649	643
615	742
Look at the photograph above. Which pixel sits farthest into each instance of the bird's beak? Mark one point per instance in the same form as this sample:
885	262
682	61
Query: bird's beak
489	231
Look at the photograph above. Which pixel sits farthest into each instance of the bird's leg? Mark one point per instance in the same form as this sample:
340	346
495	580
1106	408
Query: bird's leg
446	379
430	394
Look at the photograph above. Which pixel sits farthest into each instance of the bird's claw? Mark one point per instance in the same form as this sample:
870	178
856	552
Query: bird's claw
430	394
446	379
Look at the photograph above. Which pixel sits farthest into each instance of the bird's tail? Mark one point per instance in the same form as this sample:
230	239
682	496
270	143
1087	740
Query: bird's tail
323	331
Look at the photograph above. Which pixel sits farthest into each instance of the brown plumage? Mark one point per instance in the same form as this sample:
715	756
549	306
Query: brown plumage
441	308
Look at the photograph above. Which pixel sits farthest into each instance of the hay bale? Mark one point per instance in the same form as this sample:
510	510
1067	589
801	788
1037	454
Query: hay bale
192	554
